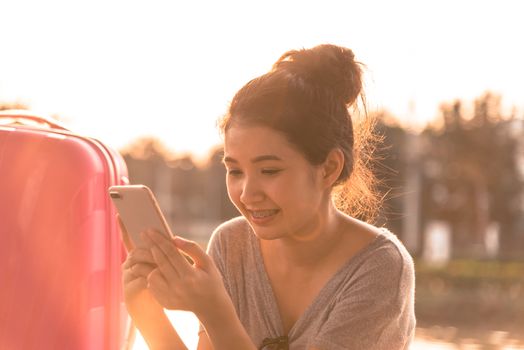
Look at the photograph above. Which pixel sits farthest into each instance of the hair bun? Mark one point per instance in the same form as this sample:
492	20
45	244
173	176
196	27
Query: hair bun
328	66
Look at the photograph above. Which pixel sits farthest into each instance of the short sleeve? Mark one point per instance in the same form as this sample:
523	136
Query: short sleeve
375	310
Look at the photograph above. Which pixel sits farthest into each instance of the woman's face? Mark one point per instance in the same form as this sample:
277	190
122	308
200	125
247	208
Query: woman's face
271	183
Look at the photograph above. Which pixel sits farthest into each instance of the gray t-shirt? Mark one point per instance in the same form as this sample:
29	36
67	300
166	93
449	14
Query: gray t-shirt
367	304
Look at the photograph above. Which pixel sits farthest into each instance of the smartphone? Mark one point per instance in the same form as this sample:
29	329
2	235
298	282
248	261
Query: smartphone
139	211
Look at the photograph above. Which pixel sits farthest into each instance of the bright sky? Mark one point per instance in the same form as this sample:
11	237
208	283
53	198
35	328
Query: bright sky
116	70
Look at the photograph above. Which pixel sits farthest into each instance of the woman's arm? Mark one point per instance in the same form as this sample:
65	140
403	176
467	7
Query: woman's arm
203	342
223	328
157	331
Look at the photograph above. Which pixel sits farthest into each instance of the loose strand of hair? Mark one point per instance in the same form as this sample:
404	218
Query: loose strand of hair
359	195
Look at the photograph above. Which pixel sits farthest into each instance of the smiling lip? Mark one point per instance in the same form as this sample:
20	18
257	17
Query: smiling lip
261	217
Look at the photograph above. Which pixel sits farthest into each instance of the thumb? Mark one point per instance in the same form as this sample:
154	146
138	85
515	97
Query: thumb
193	250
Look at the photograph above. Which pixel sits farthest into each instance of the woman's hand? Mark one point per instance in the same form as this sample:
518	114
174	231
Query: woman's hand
135	270
197	287
178	284
147	314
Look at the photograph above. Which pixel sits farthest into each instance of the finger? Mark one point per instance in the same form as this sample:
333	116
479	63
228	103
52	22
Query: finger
138	262
157	283
147	242
158	286
195	252
142	270
138	256
128	275
169	251
128	263
128	243
144	236
164	266
141	256
137	284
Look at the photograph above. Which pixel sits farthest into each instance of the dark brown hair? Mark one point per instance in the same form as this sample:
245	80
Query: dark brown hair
307	96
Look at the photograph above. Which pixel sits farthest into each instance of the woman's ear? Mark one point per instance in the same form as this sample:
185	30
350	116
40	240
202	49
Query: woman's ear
332	167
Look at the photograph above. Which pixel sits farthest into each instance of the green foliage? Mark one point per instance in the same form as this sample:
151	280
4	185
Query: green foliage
478	271
471	292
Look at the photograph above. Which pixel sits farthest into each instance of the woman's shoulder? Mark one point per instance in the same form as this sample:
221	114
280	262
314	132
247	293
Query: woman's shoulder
388	262
379	242
392	248
381	254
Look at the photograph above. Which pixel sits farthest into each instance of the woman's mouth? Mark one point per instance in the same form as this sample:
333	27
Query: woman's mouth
263	216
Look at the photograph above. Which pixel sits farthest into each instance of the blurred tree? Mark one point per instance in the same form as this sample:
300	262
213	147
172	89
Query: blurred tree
148	147
390	168
471	173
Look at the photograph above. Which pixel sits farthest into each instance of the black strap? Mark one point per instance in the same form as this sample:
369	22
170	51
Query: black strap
280	343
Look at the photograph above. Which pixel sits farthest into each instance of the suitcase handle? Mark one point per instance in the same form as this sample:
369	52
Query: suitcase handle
22	116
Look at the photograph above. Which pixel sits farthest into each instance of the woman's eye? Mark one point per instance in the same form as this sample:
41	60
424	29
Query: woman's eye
234	172
271	171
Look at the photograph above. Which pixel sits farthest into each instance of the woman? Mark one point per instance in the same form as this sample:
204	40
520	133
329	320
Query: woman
294	271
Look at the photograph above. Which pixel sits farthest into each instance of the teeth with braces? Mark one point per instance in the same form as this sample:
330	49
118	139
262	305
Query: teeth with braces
263	213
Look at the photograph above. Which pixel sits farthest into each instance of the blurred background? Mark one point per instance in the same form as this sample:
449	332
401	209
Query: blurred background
445	80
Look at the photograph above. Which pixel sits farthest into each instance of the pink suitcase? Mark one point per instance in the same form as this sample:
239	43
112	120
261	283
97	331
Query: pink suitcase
60	249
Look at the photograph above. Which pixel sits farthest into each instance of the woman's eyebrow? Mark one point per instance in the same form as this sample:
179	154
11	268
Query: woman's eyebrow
265	157
258	159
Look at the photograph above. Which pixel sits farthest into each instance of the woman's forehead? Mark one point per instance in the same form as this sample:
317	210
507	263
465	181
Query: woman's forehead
256	141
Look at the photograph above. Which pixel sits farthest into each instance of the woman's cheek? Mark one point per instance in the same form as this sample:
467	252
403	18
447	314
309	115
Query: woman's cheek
233	191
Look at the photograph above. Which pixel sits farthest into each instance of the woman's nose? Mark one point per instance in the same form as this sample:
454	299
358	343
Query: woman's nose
251	192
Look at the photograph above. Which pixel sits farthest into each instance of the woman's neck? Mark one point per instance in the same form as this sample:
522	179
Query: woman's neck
308	248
